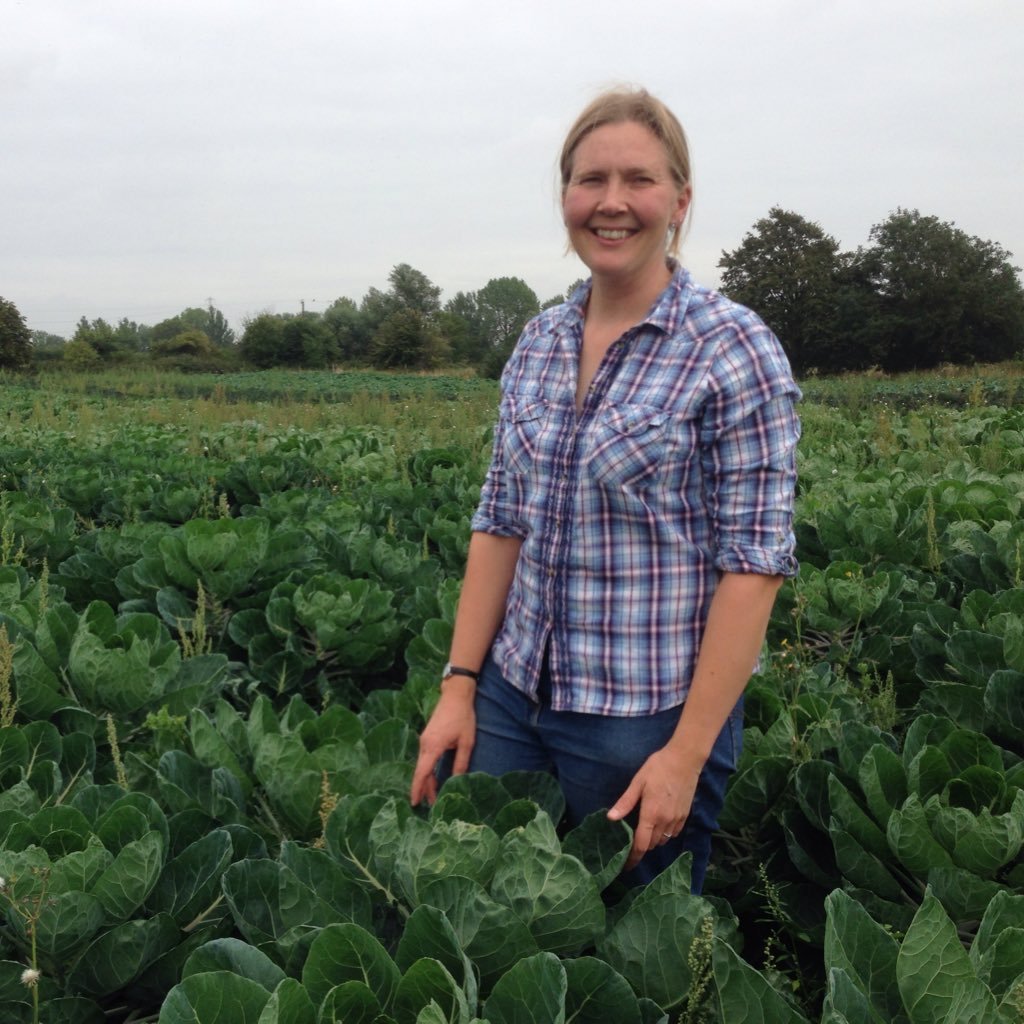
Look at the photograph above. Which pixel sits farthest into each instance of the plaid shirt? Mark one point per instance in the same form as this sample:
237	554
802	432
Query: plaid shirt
680	466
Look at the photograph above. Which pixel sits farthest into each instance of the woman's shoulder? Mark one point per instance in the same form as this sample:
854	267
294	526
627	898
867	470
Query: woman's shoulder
742	351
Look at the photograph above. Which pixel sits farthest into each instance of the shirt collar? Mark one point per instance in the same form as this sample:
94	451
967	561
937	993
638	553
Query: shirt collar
669	308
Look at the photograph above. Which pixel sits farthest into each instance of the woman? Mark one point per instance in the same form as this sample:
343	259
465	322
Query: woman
636	520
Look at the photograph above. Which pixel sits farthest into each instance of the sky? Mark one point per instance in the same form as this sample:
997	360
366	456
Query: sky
160	154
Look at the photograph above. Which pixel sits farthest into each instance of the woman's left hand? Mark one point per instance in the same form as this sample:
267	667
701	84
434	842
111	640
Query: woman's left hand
663	788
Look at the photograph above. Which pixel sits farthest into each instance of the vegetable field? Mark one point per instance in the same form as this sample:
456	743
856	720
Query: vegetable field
224	607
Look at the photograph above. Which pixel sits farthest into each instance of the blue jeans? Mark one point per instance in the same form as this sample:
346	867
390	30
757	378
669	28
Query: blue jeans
594	758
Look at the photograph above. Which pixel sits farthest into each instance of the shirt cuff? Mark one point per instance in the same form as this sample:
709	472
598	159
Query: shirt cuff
758	561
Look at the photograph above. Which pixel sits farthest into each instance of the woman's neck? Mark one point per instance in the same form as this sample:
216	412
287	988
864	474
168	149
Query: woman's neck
616	301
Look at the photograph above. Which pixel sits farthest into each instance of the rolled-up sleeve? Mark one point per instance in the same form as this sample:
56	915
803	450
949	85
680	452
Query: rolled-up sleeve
496	512
749	458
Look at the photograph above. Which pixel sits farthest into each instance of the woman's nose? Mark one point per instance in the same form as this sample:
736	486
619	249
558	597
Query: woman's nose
613	198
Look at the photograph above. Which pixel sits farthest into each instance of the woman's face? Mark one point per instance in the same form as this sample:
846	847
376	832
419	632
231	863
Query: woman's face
619	203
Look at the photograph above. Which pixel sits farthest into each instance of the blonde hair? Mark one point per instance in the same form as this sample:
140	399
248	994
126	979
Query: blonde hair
636	105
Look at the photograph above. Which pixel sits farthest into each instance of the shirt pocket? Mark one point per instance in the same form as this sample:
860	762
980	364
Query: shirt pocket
628	446
524	417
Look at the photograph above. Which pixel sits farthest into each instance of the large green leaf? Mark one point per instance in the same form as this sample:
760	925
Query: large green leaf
353	1002
219	997
864	951
126	883
1004	704
847	1003
997	952
65	923
428	981
121	954
288	1004
552	893
491	934
429	934
850	817
596	993
912	841
602	846
863	869
884	782
428	851
532	992
346	952
191	882
744	996
238	957
936	979
267	901
651	944
331	883
753	791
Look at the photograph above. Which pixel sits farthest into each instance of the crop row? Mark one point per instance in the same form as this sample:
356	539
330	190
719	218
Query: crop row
215	658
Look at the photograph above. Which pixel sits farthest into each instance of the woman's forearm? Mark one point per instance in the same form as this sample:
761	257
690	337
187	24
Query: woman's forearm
490	567
736	626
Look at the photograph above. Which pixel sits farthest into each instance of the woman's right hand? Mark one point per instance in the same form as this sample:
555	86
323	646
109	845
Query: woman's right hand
452	726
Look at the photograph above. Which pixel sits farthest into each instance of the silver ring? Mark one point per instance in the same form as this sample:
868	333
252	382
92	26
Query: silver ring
668	835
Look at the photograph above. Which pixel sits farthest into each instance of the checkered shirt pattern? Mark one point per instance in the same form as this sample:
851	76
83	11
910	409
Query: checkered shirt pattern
680	466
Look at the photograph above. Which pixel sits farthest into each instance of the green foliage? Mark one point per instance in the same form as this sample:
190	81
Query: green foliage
219	637
788	270
78	354
15	337
405	338
262	342
939	294
922	293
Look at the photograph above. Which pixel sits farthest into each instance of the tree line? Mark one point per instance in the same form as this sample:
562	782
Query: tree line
403	327
922	292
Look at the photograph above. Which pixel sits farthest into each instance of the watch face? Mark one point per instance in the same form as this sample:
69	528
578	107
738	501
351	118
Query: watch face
447	670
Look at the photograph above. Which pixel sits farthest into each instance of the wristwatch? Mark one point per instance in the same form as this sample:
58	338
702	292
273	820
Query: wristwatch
454	670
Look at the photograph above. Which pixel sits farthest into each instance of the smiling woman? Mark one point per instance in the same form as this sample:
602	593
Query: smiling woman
636	519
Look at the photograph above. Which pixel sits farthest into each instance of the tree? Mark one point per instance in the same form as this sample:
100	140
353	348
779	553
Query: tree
44	341
504	305
15	338
80	355
348	329
412	289
130	336
306	341
190	344
262	341
217	328
170	328
938	294
99	336
787	269
407	339
494	318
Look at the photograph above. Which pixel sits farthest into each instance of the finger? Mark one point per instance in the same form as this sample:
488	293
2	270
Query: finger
460	765
626	802
424	785
430	788
644	840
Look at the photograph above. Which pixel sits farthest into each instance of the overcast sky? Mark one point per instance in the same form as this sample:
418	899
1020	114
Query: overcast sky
159	153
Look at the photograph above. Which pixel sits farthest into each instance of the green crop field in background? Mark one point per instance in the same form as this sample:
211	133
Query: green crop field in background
224	604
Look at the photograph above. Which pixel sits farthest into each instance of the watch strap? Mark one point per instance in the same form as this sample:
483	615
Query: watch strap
458	670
